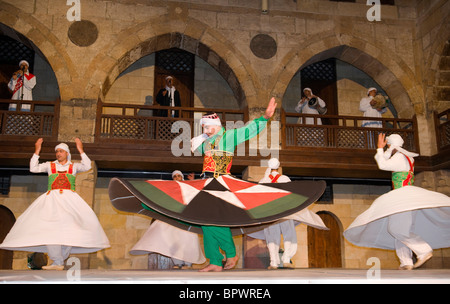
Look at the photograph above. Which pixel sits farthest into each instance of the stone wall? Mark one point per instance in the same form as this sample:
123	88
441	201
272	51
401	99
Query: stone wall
398	52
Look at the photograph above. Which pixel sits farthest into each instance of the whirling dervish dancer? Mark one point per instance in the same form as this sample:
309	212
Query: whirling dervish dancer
218	202
409	218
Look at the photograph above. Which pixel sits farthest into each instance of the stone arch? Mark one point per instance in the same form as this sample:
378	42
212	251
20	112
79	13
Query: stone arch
389	71
183	42
433	79
191	35
49	46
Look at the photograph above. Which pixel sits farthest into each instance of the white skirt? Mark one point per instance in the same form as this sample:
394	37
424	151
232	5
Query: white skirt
304	216
432	223
57	219
170	241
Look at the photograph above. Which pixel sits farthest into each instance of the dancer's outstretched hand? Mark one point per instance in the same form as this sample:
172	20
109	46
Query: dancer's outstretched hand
38	146
270	108
382	141
79	145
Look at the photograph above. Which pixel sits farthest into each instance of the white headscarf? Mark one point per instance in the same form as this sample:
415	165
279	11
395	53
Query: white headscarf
308	89
396	142
171	92
64	147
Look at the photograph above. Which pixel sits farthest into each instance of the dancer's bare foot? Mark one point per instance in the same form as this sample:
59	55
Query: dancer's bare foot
211	268
231	262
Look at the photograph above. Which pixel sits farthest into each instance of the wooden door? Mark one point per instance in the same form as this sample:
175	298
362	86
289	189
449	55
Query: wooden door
324	246
7	220
256	254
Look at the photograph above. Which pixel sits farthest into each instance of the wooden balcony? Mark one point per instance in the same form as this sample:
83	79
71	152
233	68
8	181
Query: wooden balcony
442	123
150	125
29	120
339	146
134	138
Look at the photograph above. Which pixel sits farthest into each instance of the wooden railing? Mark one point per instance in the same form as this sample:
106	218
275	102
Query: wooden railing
442	125
30	119
123	123
342	132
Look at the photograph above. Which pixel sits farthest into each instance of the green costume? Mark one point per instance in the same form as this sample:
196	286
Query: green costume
221	147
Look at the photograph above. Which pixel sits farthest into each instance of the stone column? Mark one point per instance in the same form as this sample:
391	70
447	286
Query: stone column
85	187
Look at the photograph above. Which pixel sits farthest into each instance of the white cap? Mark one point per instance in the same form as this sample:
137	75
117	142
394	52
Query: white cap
177	172
273	163
371	89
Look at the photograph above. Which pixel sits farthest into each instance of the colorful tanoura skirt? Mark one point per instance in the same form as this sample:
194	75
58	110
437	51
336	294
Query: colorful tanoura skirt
223	201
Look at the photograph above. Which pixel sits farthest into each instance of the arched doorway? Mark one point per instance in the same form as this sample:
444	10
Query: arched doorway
377	74
180	42
7	220
17	47
324	246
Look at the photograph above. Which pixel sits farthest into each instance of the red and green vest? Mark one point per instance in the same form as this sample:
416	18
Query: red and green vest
61	180
403	178
219	149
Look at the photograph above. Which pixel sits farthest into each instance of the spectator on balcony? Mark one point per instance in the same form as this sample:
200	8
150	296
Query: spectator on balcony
169	97
21	85
180	245
368	105
310	104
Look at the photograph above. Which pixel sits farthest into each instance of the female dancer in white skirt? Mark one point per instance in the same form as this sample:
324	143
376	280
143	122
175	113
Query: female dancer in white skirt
408	218
59	221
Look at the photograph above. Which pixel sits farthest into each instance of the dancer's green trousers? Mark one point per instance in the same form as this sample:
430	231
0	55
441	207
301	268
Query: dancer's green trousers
216	238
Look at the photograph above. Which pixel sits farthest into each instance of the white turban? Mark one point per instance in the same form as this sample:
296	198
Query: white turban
24	61
273	163
64	147
371	89
177	172
308	89
210	120
396	142
207	120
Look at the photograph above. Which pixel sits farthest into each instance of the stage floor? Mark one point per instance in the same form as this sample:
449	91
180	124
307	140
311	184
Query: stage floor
237	276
